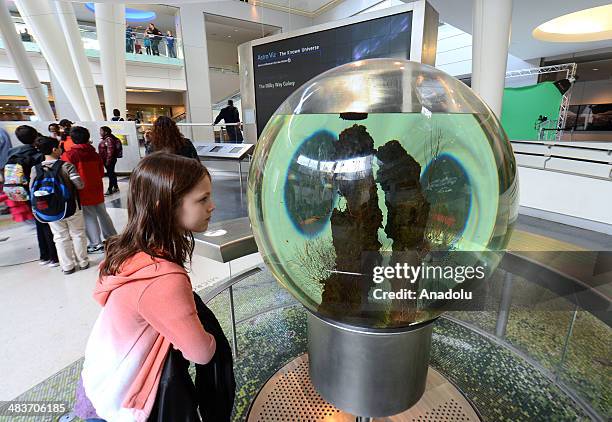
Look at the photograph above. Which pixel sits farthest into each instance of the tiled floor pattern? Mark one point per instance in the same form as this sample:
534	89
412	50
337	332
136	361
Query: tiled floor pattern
501	385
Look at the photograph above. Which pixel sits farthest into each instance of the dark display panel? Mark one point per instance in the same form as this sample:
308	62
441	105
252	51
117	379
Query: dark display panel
589	117
281	67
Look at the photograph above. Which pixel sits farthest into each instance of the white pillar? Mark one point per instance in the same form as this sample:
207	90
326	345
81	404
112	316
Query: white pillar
199	102
63	107
70	27
23	67
110	24
491	36
41	17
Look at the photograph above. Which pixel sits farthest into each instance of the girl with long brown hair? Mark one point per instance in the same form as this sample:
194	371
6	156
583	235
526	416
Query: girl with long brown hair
165	136
146	294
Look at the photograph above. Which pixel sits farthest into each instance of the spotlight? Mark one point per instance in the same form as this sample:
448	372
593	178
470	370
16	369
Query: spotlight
563	85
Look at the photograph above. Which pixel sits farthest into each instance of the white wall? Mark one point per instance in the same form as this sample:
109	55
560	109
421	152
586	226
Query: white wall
223	84
222	54
248	12
344	10
547	194
454	56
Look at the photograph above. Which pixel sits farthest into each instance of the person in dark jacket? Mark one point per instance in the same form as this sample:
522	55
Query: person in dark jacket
230	114
165	136
109	153
117	116
156	36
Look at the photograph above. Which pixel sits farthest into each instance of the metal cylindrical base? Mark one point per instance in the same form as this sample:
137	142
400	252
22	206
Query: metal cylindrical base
368	373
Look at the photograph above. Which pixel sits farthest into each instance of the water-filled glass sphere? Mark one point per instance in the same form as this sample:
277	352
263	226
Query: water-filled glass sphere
377	164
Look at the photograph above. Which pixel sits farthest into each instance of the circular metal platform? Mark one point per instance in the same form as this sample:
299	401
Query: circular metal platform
290	396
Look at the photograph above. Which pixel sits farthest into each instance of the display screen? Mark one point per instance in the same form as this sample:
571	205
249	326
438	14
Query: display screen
281	67
216	149
592	117
234	150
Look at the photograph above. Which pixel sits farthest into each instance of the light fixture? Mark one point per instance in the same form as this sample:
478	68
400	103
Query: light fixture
588	25
133	15
595	69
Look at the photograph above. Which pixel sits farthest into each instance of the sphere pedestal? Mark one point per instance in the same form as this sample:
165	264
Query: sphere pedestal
290	396
367	372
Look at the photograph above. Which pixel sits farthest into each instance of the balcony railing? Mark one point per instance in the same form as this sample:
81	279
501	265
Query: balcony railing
138	46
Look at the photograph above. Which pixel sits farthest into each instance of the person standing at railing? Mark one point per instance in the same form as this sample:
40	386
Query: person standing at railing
25	36
230	114
170	44
155	36
129	39
147	43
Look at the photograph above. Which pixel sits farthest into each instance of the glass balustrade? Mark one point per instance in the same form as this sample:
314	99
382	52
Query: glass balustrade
139	47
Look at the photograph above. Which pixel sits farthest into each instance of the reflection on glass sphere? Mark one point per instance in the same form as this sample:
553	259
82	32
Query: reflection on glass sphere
380	163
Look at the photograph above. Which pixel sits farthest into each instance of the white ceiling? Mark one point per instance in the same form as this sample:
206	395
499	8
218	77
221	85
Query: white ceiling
303	7
526	16
235	31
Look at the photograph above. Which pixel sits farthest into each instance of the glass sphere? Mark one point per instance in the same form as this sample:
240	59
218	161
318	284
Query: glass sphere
379	164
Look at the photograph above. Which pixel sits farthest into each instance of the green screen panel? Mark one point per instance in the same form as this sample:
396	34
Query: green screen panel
522	106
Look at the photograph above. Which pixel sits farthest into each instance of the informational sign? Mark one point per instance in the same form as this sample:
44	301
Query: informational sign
224	151
281	67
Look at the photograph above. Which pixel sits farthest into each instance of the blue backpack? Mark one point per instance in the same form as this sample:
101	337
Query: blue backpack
52	196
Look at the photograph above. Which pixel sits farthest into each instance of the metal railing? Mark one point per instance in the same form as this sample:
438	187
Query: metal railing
134	45
219	132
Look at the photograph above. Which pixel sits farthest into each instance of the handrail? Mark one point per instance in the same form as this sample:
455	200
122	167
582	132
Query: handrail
195	124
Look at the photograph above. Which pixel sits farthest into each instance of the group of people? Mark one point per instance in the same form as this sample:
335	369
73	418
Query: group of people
151	39
56	183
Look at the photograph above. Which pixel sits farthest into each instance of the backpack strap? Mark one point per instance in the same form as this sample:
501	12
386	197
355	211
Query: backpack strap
57	169
39	170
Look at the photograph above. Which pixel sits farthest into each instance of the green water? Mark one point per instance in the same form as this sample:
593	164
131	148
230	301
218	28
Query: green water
329	196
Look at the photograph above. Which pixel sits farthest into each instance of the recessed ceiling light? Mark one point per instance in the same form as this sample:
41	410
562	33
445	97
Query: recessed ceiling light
229	36
595	68
235	30
594	24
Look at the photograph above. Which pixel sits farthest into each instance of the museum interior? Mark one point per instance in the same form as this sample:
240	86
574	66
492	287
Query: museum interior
306	210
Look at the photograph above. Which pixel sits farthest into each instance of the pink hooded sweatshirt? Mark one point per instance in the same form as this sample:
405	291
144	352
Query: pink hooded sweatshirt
147	307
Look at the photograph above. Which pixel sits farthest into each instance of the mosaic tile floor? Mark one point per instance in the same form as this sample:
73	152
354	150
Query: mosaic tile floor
272	332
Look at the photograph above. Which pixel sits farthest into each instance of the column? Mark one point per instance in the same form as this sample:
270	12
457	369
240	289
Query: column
70	28
491	36
110	24
199	102
41	17
23	67
63	108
